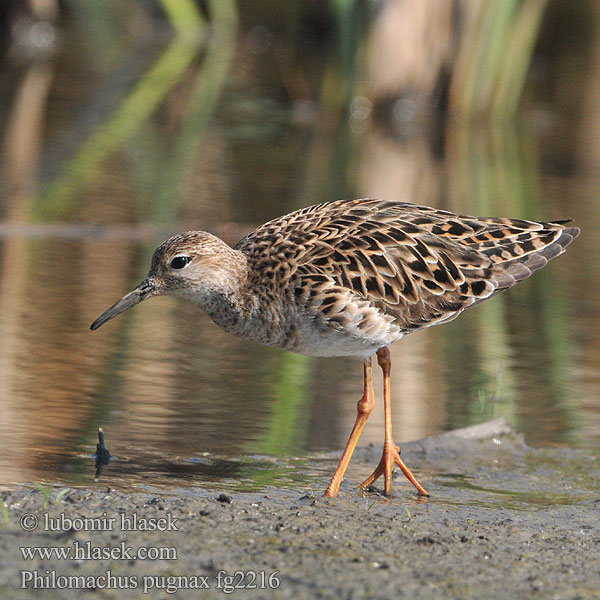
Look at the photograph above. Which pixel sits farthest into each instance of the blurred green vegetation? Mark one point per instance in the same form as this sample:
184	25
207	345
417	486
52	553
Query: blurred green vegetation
494	52
494	55
191	36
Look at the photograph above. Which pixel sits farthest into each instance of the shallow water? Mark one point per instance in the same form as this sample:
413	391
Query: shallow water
180	400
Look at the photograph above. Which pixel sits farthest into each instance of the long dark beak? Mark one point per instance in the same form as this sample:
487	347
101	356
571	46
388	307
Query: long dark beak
146	289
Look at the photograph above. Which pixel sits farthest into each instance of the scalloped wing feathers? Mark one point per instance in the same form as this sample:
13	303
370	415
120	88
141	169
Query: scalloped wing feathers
358	262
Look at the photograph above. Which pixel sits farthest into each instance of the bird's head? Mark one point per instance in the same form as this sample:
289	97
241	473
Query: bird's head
194	265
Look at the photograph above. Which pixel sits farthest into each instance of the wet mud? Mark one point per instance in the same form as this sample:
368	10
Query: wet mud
503	521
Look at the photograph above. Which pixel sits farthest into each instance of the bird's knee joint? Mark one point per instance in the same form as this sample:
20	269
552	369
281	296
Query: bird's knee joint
365	405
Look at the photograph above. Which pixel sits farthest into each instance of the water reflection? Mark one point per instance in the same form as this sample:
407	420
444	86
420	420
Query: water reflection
181	400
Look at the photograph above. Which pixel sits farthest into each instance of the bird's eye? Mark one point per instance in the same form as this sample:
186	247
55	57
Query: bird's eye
179	262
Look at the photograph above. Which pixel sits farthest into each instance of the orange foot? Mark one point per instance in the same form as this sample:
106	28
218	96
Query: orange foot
391	456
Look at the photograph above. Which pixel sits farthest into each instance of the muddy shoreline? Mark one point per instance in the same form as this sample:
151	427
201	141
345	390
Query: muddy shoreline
503	521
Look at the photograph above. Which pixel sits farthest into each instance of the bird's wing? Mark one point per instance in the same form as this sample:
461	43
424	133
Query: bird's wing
417	264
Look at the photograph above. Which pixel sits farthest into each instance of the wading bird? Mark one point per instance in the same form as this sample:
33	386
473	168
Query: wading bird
349	278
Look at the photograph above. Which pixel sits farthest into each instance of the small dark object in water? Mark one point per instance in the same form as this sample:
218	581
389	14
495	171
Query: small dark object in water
103	455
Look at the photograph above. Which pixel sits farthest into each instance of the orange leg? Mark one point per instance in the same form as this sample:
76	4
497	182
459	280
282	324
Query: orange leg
391	452
364	409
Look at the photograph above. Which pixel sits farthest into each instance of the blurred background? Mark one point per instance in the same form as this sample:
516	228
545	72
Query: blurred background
124	121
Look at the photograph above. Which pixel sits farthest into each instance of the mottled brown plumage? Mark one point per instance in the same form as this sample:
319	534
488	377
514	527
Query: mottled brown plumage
378	270
348	278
